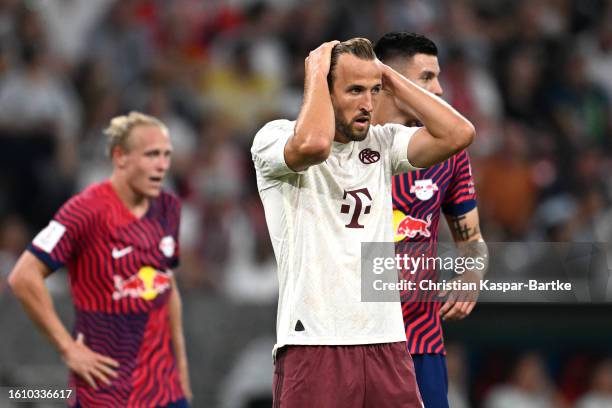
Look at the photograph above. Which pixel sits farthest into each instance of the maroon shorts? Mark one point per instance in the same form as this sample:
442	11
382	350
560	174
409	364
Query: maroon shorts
364	376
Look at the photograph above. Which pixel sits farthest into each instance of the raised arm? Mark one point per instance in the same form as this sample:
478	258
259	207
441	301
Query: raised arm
27	280
315	127
445	131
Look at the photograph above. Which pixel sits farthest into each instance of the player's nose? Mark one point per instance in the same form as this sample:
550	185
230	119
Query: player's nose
163	164
367	102
436	88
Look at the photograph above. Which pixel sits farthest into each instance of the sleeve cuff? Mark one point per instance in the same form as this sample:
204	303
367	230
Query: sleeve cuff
44	257
401	145
460	208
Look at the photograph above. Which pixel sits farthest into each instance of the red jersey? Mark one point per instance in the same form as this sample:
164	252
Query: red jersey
120	270
418	197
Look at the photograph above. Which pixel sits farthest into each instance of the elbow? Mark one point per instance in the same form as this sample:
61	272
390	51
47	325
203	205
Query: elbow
464	134
16	283
315	152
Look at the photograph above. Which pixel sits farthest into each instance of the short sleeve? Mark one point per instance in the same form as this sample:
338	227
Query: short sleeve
401	136
460	196
59	241
268	153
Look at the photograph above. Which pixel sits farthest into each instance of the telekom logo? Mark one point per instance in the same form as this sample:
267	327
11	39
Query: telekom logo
359	205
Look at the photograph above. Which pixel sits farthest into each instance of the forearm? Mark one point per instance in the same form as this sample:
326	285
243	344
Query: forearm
442	121
315	126
468	238
176	327
476	249
31	291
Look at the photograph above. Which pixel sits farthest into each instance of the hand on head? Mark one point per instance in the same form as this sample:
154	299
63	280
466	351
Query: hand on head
319	59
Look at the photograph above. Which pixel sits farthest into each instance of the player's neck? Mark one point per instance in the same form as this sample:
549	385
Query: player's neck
136	203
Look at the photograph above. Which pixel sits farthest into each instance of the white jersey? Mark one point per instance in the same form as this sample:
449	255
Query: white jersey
317	220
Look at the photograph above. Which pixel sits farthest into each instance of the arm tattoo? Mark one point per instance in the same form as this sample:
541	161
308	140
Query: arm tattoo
461	229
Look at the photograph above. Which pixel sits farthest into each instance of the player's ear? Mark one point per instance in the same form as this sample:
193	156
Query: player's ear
119	156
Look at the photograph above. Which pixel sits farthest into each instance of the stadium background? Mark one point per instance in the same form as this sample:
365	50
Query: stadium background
535	77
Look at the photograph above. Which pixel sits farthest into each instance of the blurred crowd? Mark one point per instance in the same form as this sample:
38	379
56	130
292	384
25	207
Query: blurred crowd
529	380
535	77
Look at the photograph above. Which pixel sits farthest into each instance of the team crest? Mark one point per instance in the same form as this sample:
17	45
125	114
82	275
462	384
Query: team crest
369	156
167	246
424	189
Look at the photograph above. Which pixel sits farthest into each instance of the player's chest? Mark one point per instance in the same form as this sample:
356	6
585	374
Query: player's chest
363	168
142	242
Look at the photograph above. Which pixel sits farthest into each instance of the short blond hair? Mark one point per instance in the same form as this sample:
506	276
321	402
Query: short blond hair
120	127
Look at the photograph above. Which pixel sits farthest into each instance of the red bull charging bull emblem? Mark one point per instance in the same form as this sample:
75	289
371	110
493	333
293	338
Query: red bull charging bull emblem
410	227
146	284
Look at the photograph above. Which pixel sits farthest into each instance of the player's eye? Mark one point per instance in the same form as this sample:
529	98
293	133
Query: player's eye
376	90
428	76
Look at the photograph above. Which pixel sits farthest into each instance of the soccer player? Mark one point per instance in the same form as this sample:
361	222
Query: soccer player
418	198
119	242
325	182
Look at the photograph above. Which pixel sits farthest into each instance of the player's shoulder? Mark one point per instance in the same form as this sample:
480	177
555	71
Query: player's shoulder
384	136
170	200
166	208
461	160
274	129
277	125
85	208
462	155
90	200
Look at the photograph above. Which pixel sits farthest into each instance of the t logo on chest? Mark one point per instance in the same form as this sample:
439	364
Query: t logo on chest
359	206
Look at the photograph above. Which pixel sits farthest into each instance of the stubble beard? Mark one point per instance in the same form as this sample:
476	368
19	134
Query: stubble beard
347	131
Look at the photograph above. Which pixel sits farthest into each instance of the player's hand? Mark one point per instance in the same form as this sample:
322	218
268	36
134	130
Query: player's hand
460	303
88	364
319	59
389	79
387	74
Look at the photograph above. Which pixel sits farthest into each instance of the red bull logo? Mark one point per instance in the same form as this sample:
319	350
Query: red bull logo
410	227
146	284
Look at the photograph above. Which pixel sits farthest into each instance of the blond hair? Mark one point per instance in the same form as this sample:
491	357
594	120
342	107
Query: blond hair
120	127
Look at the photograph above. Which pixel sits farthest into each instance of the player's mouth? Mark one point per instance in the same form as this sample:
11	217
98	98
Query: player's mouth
362	121
156	180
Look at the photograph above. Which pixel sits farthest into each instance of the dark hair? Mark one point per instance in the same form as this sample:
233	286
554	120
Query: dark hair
403	44
359	47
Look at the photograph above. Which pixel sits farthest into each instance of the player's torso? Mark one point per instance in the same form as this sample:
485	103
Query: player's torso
333	208
417	203
125	264
353	187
